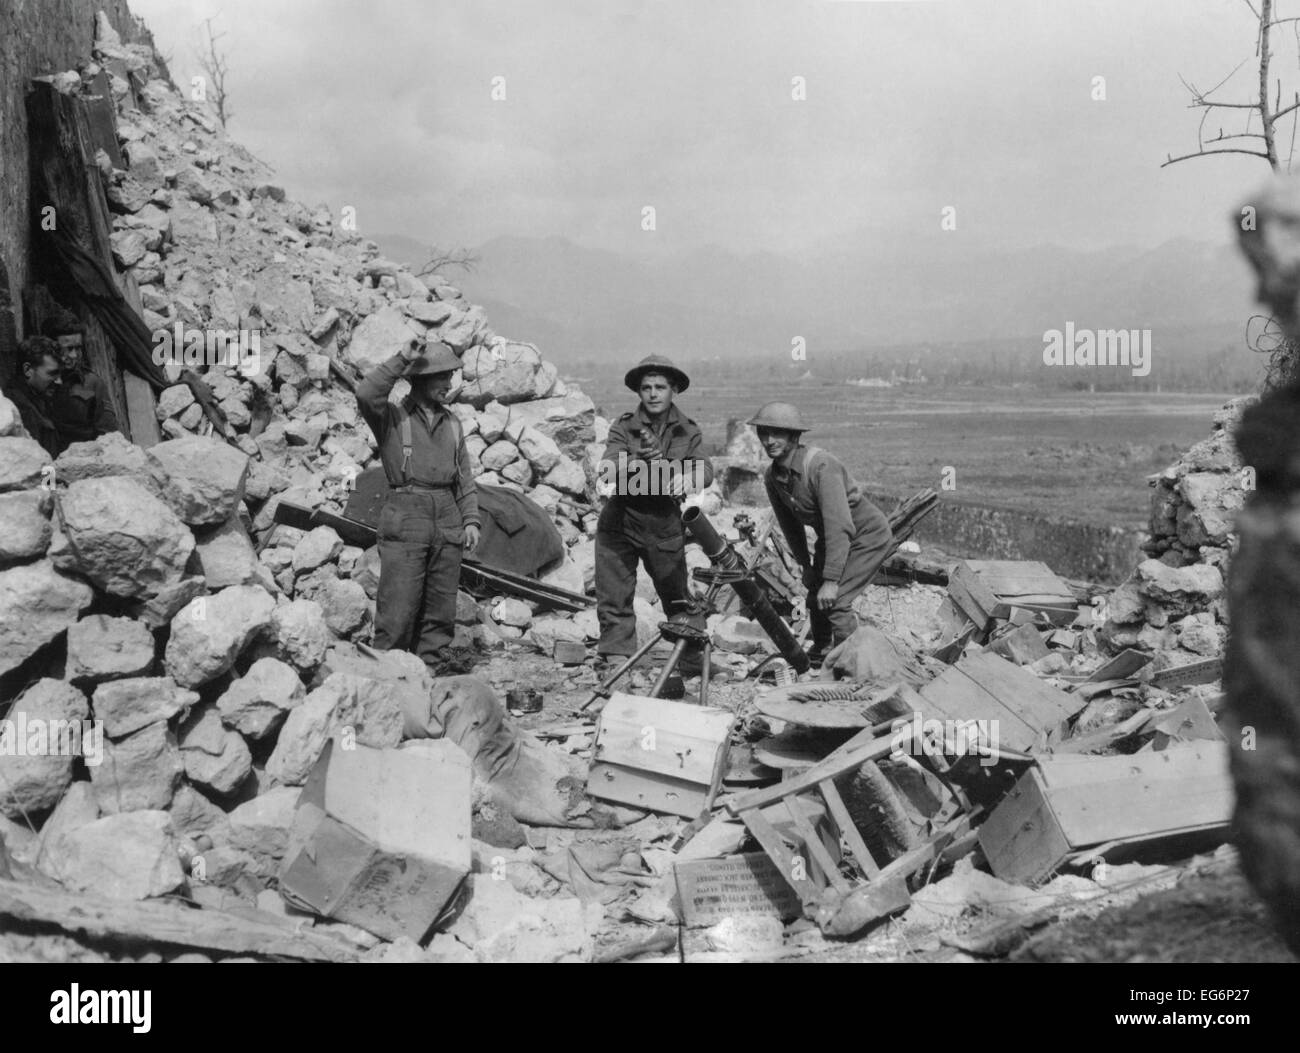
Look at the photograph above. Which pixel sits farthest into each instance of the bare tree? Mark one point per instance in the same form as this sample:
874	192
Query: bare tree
440	259
214	65
1260	132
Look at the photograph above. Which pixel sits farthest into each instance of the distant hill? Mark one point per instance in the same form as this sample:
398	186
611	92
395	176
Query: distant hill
872	289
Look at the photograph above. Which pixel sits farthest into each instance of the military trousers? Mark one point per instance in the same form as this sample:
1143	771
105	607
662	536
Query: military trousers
626	536
867	552
421	541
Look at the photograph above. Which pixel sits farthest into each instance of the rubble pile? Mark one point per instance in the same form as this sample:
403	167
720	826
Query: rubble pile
239	745
1175	601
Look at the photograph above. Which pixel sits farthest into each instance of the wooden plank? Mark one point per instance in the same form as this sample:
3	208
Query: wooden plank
1121	667
101	119
954	695
781	855
1038	704
848	830
643	789
1021	839
1022	645
1190	720
141	420
812	842
835	764
1205	671
1099	799
972	597
1023	581
157	921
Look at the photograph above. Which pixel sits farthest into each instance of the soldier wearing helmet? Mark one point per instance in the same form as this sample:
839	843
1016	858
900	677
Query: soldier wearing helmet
643	524
431	515
810	488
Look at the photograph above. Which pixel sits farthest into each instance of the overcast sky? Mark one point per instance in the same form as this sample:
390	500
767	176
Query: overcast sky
685	105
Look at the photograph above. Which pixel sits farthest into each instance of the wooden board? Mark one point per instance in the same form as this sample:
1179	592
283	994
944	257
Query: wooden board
1023	645
1068	803
973	597
987	687
1022	582
157	921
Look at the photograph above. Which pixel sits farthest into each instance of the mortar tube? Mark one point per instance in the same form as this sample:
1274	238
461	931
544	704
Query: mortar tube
722	555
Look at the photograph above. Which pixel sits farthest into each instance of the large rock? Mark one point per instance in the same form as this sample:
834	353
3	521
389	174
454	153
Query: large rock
211	631
158	610
126	706
1180	590
101	647
259	700
503	925
1213	500
318	546
36	604
77	808
213	755
539	450
22	463
567	476
24	525
499	454
36	754
369	710
260	827
299	634
121	537
507	385
381	336
11	421
462	327
139	773
202	478
109	455
284	301
569	421
345	605
227	557
130	856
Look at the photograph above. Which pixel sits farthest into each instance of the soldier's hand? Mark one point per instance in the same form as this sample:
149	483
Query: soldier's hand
827	594
411	351
651	450
471	539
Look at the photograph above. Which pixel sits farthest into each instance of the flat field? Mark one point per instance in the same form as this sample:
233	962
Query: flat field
1082	455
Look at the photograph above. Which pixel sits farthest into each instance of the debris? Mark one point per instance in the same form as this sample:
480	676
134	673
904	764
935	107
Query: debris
1068	803
381	838
711	890
661	755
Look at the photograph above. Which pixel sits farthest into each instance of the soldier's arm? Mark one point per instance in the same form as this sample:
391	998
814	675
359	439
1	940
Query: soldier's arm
790	526
831	486
105	418
373	392
697	466
466	488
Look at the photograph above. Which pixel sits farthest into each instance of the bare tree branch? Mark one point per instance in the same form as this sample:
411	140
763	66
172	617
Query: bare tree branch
440	260
1210	153
213	63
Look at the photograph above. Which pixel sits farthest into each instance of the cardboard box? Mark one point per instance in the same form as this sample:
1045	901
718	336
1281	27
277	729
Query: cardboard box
381	838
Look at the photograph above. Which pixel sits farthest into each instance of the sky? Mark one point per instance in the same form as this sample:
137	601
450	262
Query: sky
984	106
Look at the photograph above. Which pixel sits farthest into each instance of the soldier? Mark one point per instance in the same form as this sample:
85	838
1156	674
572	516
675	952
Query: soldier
32	392
431	514
809	487
80	405
652	460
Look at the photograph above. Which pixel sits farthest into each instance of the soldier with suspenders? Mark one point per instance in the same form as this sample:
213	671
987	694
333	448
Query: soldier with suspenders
809	487
431	516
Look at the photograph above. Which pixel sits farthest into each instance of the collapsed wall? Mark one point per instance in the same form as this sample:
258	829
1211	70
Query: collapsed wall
1175	599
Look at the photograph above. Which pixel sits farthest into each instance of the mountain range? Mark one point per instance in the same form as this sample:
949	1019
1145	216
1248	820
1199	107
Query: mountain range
870	289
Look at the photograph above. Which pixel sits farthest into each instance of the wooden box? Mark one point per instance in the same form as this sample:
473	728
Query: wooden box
1071	802
660	755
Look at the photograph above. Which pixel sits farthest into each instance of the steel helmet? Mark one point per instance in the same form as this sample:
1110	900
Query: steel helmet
437	357
781	415
656	364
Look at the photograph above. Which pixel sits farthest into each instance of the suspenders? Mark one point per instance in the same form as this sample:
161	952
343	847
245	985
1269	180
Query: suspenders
408	445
